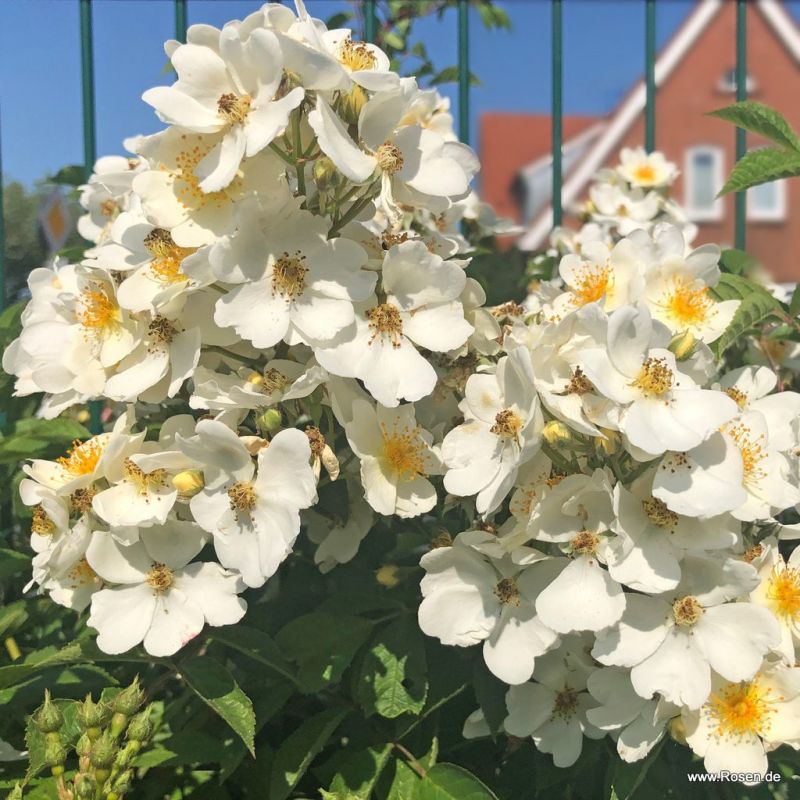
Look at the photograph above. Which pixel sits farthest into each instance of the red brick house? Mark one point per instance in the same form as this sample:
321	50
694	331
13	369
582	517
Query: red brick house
694	74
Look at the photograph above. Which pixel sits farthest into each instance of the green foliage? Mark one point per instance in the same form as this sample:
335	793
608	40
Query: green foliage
767	164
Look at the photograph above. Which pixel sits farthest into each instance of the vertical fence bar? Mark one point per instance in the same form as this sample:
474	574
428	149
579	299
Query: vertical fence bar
2	231
557	132
370	21
463	71
740	199
650	75
180	20
89	144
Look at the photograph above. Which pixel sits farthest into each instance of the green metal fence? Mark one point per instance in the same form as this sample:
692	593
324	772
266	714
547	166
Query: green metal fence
371	21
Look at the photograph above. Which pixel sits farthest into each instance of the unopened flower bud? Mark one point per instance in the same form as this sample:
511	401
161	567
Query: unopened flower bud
269	421
103	752
683	345
609	443
84	787
387	576
350	103
92	716
677	730
127	702
122	784
83	747
16	792
55	754
325	173
49	717
141	728
188	483
557	433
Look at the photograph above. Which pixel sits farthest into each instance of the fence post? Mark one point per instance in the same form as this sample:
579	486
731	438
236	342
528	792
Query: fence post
463	71
180	21
89	145
557	134
740	199
370	20
650	75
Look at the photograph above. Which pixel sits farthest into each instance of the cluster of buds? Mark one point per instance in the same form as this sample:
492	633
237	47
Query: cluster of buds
112	734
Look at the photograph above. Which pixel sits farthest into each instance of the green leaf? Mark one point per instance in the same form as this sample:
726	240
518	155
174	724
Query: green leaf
72	175
761	119
12	563
736	287
323	646
450	782
359	774
257	645
37	438
216	688
39	660
392	678
762	166
736	261
794	303
35	739
300	749
628	777
491	695
405	784
752	310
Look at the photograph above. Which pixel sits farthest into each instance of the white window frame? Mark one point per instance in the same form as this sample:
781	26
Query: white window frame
777	214
716	211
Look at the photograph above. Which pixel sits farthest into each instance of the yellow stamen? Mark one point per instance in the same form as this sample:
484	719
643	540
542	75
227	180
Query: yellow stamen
658	513
783	592
507	424
687	304
686	611
404	452
41	522
741	709
242	497
160	577
390	158
752	449
655	378
356	55
167	256
145	482
385	323
83	457
591	283
97	310
289	275
234	109
507	592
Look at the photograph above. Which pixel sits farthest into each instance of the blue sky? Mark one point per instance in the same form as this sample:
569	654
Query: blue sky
40	96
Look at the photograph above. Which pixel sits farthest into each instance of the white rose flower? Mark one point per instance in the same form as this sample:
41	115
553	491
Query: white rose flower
157	596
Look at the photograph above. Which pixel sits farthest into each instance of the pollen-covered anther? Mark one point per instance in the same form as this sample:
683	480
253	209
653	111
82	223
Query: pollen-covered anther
80	500
752	448
289	275
687	302
162	330
752	553
507	424
145	482
658	513
783	592
390	158
507	592
274	380
404	452
109	208
644	173
741	710
41	522
737	395
385	323
356	55
686	611
591	283
97	311
242	497
565	704
578	383
234	109
316	440
160	578
655	378
83	457
167	256
584	543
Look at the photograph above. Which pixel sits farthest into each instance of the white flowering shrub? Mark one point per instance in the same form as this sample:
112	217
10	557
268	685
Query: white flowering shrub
312	418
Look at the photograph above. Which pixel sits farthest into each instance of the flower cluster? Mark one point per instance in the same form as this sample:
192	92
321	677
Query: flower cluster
279	278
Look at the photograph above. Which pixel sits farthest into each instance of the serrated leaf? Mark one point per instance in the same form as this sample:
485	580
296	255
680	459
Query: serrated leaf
217	688
300	749
752	310
39	660
794	303
762	166
761	119
736	261
392	676
450	782
405	783
490	693
736	287
323	646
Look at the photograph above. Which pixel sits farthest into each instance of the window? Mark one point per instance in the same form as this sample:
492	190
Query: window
767	202
704	178
727	83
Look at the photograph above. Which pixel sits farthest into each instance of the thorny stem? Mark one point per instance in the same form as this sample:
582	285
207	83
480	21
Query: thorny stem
412	759
351	214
